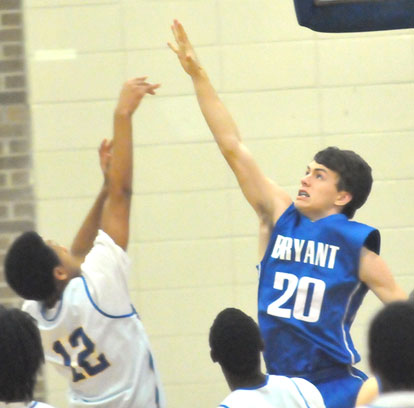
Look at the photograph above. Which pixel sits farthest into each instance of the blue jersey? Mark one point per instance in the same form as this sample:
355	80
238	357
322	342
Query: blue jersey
309	292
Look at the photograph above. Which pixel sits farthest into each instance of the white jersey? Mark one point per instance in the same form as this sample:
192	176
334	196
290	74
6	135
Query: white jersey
33	404
94	337
277	392
393	400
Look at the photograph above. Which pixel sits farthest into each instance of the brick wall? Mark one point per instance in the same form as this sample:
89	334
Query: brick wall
17	206
16	193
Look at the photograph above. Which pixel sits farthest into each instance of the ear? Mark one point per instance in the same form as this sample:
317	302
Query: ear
60	273
343	198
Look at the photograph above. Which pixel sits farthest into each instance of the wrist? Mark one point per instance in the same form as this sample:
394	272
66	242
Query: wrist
199	75
122	113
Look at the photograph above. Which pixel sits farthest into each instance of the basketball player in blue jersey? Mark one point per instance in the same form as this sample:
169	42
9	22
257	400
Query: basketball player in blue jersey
316	265
21	356
90	331
236	344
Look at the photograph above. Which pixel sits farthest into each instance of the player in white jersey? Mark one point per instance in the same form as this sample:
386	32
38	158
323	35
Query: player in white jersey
391	355
236	344
21	356
90	330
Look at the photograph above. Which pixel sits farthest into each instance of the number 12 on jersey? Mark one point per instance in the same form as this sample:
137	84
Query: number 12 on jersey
308	294
88	362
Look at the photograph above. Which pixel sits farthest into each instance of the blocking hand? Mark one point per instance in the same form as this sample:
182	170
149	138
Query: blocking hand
184	50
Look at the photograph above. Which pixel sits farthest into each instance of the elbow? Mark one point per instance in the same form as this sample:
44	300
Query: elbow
123	192
231	148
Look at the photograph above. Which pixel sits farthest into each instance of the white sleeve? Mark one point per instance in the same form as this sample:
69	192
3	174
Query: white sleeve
105	270
31	307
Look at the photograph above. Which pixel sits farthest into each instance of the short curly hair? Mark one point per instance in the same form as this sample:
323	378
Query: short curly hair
29	265
235	342
355	175
21	355
391	345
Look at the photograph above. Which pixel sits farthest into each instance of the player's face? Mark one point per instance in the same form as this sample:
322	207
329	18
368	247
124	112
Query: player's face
318	195
65	258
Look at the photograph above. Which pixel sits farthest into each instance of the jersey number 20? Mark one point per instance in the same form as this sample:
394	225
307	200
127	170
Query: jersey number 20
303	308
84	367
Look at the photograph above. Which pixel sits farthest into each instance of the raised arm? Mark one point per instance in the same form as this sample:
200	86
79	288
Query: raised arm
83	240
267	199
374	272
115	213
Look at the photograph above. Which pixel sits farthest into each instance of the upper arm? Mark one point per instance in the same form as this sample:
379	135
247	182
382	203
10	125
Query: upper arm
267	198
106	269
115	217
375	273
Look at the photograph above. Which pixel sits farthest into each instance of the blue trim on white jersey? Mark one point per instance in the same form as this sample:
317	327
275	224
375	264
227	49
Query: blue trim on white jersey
224	406
299	391
43	312
101	311
34	403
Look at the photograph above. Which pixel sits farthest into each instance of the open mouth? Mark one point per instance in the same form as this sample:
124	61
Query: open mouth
303	193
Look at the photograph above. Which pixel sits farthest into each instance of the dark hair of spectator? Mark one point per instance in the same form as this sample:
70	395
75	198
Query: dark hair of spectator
391	346
21	355
235	342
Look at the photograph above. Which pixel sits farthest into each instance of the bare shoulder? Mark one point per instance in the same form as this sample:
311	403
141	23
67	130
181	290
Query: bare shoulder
375	273
278	200
268	220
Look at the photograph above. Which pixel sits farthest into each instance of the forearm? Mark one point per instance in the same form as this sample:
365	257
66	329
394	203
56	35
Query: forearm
267	199
115	213
217	116
120	172
83	241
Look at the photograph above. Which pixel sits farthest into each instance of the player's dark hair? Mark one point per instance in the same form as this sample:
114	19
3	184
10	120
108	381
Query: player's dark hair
235	342
391	346
355	175
29	267
21	355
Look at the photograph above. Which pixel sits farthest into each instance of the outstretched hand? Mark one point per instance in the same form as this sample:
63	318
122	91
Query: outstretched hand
132	93
184	50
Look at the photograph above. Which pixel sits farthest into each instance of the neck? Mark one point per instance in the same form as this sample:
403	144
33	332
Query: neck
60	286
318	216
235	382
51	301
